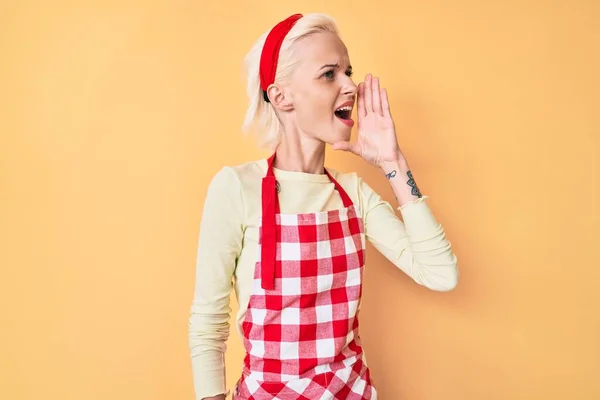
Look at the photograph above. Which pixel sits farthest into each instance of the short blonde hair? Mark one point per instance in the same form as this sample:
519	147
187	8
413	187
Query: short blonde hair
261	117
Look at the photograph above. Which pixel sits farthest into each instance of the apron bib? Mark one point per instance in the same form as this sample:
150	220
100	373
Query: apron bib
301	326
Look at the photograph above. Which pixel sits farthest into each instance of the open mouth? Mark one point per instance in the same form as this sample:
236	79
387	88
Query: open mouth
344	112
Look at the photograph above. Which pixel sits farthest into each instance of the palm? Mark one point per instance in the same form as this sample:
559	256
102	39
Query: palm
377	141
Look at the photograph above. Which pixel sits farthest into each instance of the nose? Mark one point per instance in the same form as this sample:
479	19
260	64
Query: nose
349	88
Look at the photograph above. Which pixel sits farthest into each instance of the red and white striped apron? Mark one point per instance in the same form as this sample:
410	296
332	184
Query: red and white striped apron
301	327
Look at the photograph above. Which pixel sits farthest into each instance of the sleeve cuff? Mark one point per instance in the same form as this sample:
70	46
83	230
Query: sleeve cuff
419	219
413	202
227	393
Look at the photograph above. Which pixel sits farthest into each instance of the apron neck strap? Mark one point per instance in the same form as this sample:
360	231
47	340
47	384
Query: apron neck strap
270	208
270	173
341	191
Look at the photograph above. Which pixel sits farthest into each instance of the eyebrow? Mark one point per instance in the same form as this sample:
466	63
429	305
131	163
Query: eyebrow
333	66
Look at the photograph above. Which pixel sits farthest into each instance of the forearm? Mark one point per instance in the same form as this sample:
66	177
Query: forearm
208	334
400	177
418	246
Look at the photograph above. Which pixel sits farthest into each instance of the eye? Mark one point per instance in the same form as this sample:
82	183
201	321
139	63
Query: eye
349	73
329	74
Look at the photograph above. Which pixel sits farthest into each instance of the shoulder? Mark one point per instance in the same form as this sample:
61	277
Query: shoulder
234	174
230	189
254	169
235	179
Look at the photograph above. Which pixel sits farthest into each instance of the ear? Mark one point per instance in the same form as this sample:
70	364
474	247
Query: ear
278	98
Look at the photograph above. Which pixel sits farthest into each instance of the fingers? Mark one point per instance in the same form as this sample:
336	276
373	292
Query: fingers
347	146
371	97
362	111
385	104
376	96
368	94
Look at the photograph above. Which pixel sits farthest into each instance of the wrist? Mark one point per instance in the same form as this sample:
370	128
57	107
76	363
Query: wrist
398	165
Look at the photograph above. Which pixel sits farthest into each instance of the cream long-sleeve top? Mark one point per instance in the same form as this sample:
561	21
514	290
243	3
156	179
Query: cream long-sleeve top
228	243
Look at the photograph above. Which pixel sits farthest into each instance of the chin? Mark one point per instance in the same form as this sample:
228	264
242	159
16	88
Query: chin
336	134
343	129
338	137
344	134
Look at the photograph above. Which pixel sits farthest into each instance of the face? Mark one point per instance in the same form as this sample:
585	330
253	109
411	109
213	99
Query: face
321	91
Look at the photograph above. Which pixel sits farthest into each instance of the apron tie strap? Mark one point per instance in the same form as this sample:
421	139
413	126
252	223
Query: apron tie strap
270	207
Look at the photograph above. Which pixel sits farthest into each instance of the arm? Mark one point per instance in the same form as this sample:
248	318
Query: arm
418	245
219	245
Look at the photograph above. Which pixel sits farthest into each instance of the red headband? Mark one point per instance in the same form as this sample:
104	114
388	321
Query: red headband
270	52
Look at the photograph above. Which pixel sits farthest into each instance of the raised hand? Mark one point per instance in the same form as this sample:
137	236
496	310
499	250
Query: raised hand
377	142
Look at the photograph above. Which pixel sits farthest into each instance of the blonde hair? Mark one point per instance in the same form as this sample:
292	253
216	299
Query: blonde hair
261	117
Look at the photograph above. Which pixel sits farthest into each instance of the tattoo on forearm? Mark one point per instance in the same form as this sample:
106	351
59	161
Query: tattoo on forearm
411	182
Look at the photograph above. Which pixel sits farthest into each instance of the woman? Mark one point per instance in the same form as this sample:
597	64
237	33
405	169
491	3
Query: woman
289	235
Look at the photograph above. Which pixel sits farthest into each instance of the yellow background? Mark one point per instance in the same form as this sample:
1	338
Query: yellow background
114	116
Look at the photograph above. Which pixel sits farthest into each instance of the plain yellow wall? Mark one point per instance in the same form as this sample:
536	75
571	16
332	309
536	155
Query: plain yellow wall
115	115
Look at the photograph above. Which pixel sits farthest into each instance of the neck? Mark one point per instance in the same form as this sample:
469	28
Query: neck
297	154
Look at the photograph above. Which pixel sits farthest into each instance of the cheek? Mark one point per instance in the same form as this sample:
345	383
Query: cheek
315	110
320	120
